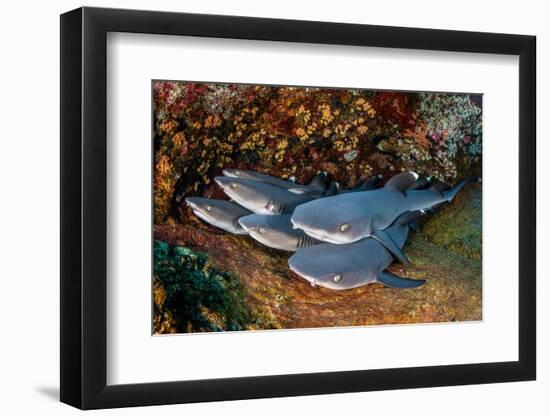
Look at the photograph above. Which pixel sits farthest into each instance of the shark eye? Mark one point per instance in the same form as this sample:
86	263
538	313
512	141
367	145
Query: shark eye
261	230
234	185
208	208
344	227
337	278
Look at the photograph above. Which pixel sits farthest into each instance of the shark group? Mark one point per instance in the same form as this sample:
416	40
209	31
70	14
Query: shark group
342	239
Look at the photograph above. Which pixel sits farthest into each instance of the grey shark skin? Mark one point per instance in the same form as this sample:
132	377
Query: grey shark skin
219	213
276	232
317	185
348	218
343	267
262	198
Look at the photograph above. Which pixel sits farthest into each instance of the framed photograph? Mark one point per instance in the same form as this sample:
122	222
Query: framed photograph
257	208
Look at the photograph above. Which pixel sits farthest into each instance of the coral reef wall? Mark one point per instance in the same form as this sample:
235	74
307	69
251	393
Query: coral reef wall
297	132
207	280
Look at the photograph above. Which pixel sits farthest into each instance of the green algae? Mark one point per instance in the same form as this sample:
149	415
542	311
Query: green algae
457	226
191	295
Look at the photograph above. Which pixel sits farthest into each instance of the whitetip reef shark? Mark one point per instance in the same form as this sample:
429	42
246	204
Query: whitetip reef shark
317	185
222	214
342	267
276	232
263	198
350	217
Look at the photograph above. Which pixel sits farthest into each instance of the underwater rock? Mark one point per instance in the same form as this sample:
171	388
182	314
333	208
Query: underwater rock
452	291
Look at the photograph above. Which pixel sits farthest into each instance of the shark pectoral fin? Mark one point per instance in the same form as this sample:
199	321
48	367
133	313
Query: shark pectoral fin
390	245
403	181
393	281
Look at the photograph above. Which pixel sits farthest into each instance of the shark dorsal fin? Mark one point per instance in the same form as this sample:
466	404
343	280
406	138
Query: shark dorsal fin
332	190
319	181
371	183
402	182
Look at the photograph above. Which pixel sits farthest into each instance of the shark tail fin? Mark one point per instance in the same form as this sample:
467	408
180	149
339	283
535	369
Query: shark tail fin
393	281
450	194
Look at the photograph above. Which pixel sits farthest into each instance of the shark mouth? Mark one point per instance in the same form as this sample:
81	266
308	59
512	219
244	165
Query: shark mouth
202	216
309	279
319	235
260	238
324	238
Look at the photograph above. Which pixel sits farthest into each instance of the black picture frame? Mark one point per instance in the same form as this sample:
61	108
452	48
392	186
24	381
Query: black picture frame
84	207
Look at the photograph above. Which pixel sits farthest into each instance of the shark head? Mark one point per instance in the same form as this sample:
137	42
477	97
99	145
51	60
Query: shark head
257	196
233	172
240	189
272	231
328	266
331	220
220	213
205	208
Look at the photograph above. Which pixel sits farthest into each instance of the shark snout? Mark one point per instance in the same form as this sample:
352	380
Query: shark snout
316	233
222	181
243	221
296	265
232	173
249	223
297	223
191	203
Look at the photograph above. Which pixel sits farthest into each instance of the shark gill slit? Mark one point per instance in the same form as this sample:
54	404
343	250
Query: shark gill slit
304	240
